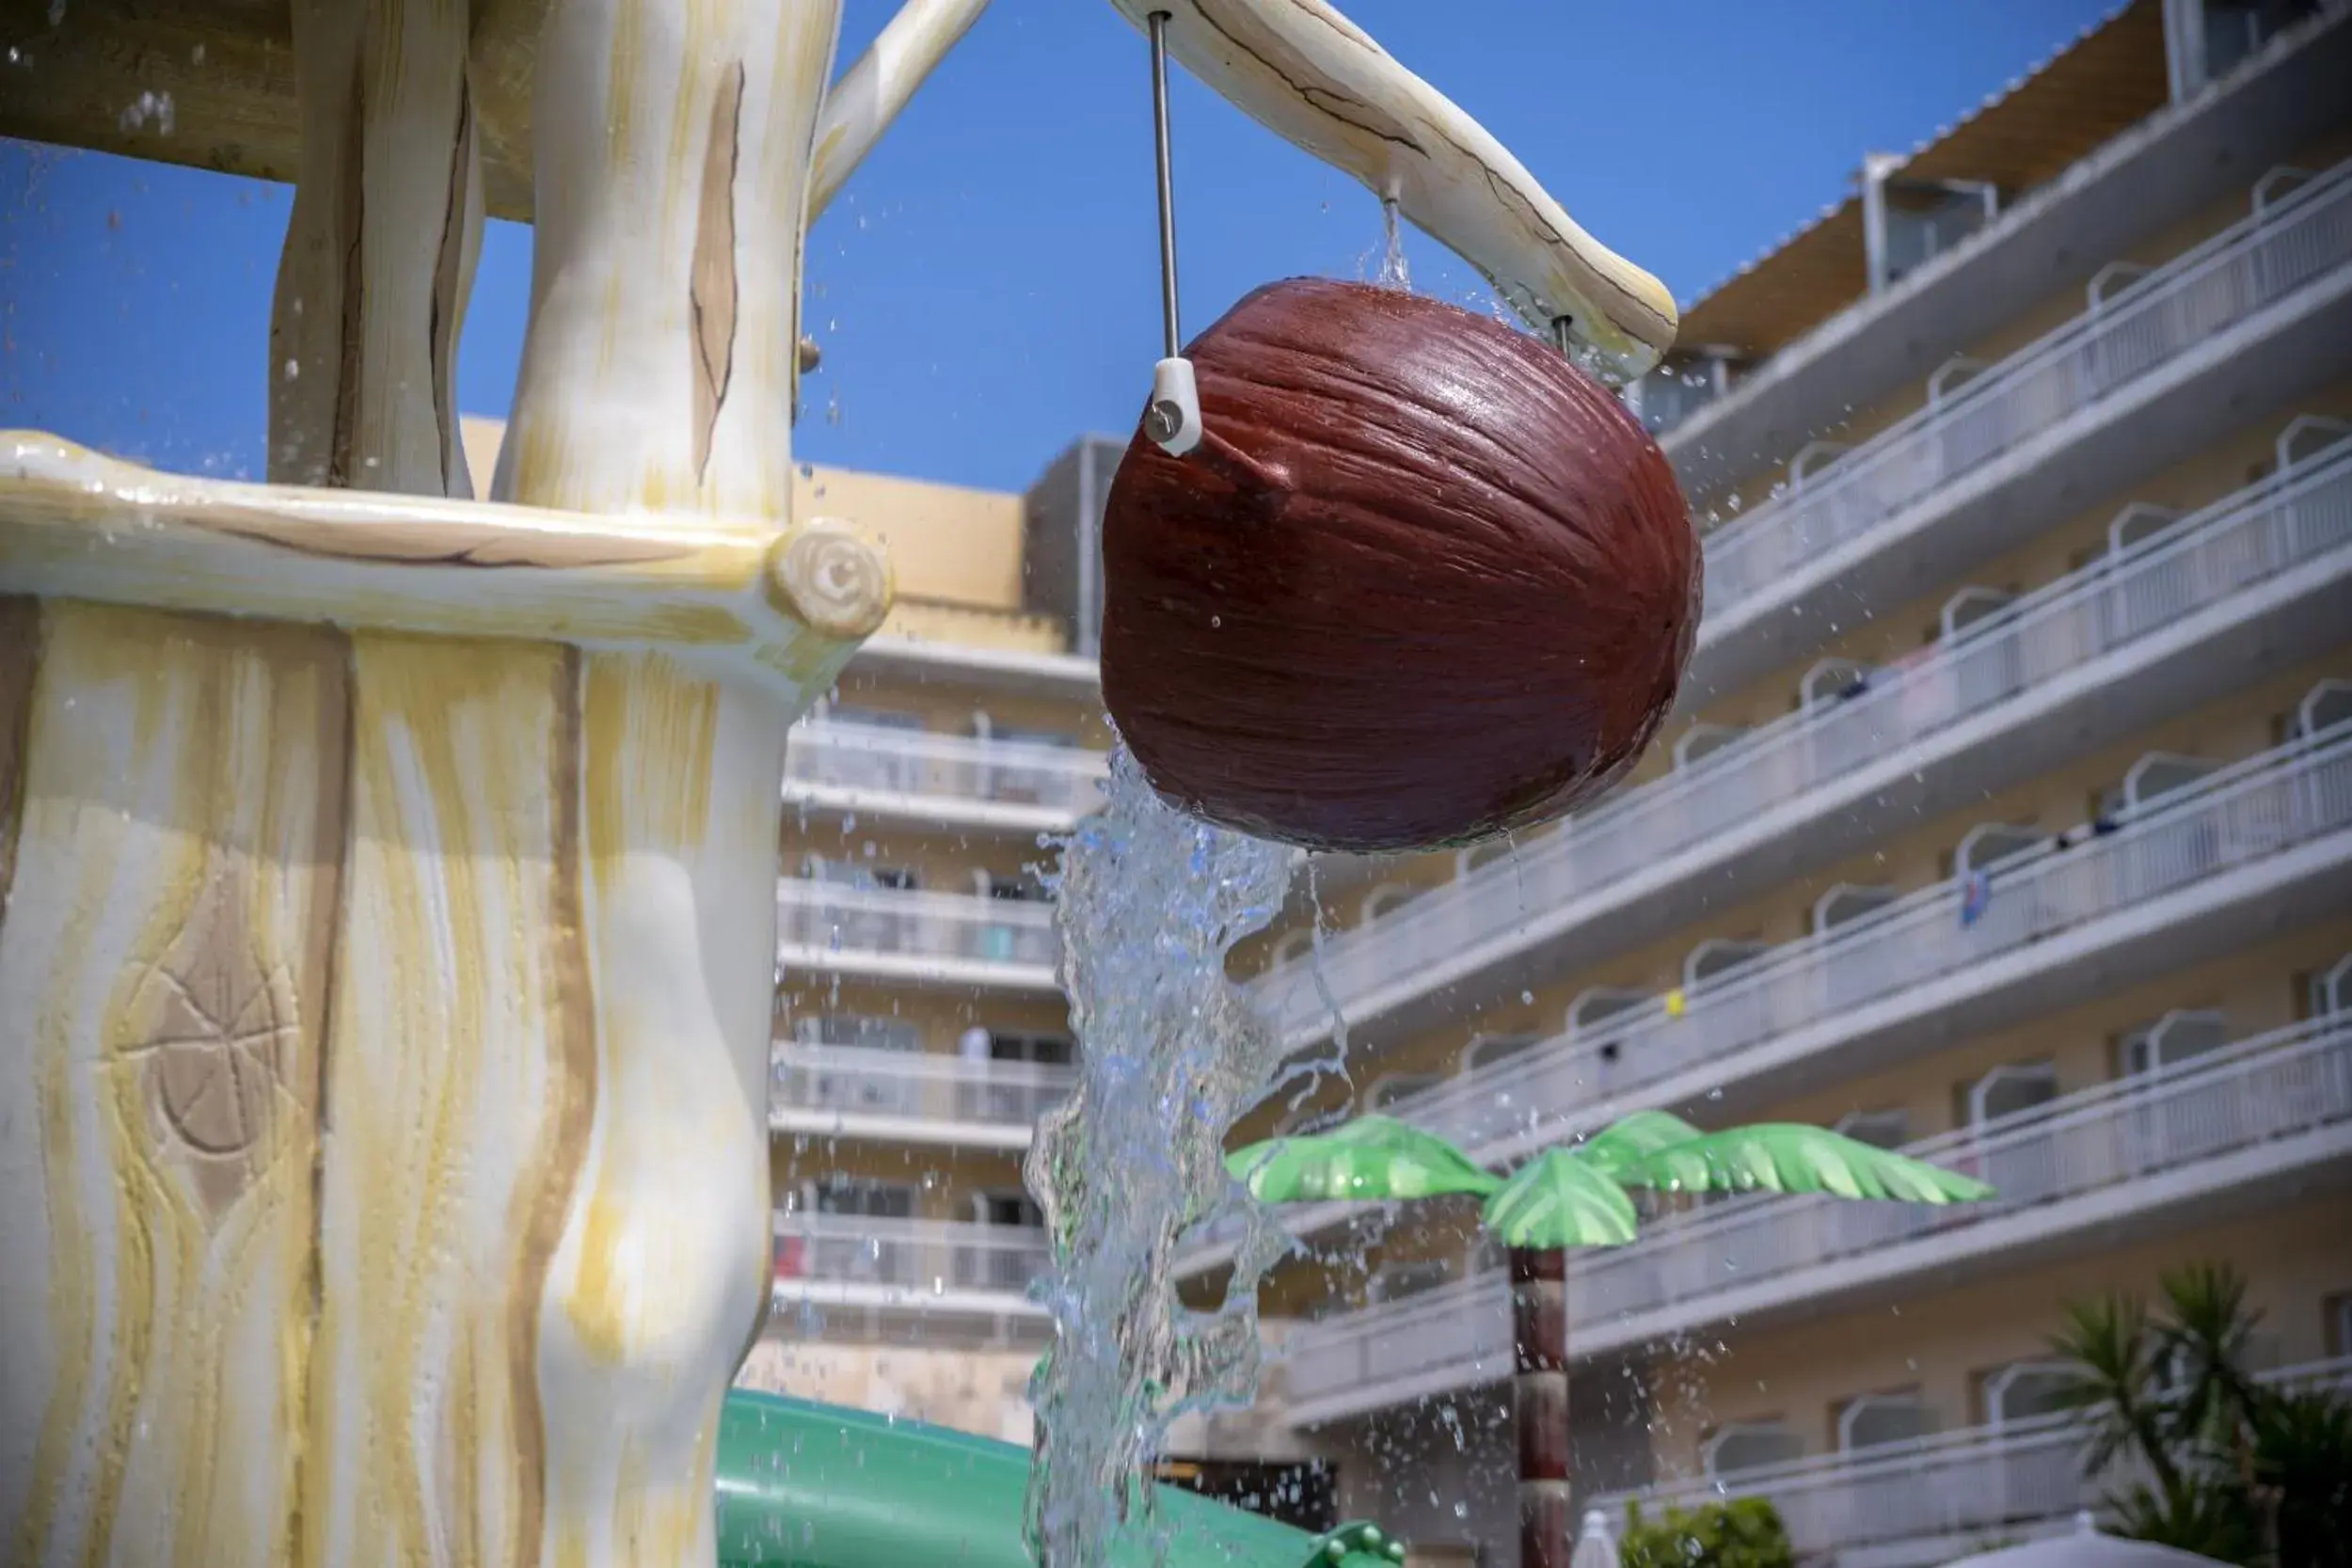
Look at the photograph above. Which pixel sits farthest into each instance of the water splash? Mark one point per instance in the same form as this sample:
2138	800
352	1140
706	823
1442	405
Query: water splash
1148	902
1394	272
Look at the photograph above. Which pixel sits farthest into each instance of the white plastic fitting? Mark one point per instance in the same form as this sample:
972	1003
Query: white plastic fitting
1173	420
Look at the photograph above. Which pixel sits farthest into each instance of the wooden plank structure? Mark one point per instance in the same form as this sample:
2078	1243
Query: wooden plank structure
387	937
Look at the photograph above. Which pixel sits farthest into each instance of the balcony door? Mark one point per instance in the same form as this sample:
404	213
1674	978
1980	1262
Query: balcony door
1002	1268
2166	1129
867	1088
857	749
1738	1448
2022	1169
1009	776
1588	1019
1881	1420
856	924
1018	1096
2026	1391
836	1251
1986	655
1011	940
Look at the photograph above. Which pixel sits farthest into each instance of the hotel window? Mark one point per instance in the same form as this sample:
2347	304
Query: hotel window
1488	1050
2025	1391
1908	222
2172	1040
1875	1420
1889	1128
1701	739
1737	1447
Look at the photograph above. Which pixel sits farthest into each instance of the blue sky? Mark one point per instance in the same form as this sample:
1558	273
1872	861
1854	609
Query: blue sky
986	288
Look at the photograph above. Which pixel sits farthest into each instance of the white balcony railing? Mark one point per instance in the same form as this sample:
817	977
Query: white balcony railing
2252	265
2261	1091
872	759
2067	1153
851	1081
924	1259
2224	552
846	922
2232	818
1967	1482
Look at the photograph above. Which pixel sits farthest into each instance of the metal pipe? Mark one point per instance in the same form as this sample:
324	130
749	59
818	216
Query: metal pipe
1157	22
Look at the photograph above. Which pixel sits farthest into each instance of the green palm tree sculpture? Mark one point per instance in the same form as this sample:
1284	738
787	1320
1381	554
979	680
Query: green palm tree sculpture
1575	1196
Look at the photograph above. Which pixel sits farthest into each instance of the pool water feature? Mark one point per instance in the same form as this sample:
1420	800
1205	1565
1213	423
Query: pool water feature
1150	902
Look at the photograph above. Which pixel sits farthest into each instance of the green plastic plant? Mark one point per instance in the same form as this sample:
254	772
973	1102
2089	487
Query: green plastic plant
1580	1195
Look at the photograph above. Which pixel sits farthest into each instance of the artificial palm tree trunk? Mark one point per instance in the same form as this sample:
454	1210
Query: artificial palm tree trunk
1539	1354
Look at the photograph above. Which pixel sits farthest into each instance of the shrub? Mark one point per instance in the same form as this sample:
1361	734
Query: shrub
1744	1532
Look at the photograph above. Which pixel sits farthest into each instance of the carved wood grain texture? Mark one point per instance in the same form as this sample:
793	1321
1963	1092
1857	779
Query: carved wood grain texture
672	178
163	973
663	1268
458	1091
380	249
20	656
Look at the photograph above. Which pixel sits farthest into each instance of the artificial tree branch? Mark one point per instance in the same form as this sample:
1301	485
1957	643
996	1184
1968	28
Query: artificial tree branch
868	96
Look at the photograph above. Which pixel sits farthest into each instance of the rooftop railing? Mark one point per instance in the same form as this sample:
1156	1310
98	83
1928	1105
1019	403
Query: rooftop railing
2253	263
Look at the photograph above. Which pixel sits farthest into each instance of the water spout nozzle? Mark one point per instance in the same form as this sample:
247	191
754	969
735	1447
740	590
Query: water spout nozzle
1173	420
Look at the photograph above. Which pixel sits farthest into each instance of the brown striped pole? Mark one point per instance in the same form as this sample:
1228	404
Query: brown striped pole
1539	1350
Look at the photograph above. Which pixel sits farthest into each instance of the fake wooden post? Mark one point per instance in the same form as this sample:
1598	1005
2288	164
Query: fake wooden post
1539	1390
388	945
386	880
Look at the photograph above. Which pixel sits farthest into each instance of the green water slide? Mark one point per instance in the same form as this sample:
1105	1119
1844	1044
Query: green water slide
806	1485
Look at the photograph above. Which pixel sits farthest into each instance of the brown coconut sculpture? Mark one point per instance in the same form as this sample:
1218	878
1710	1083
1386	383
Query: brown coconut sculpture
1424	581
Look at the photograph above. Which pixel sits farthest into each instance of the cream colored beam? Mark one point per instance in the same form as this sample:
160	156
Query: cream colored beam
871	93
1312	77
778	605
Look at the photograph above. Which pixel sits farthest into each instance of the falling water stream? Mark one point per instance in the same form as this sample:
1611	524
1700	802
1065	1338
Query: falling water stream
1149	901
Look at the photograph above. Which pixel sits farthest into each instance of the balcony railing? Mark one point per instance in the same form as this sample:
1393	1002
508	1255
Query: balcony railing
1971	1481
2252	265
2224	551
2232	818
877	760
851	922
924	1259
851	1080
2257	1092
2271	1087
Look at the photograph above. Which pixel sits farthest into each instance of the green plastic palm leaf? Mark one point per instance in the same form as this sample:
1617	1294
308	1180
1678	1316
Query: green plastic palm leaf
1625	1142
1558	1199
1369	1159
1783	1157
